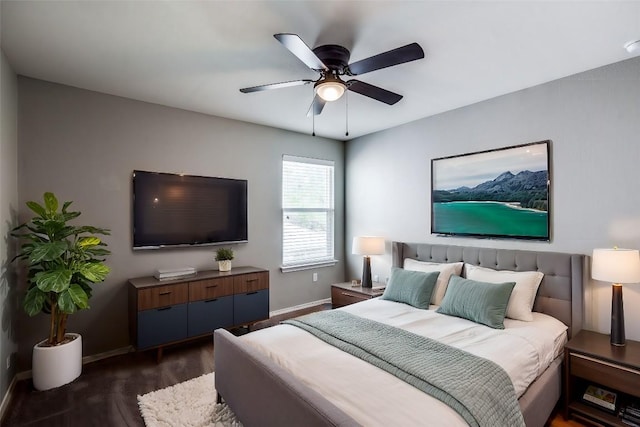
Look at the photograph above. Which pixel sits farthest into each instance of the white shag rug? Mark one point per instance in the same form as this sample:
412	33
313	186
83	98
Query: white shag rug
190	404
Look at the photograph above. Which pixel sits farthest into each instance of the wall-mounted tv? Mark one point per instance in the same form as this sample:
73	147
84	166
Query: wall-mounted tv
183	210
501	193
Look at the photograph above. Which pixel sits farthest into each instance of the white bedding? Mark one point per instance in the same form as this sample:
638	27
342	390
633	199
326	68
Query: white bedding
374	397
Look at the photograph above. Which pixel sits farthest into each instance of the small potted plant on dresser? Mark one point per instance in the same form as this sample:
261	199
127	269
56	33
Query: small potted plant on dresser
224	257
63	262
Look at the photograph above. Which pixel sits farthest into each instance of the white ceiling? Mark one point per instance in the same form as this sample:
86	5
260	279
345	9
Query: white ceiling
195	55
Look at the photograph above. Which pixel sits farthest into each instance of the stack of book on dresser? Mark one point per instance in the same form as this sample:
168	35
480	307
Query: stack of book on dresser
631	414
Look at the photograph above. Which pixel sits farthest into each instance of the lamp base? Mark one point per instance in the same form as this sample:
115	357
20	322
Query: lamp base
617	316
366	272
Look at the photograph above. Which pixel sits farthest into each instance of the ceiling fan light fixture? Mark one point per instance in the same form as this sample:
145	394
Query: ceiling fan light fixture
632	46
330	90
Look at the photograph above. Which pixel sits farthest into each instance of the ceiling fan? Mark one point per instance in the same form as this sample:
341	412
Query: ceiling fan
332	62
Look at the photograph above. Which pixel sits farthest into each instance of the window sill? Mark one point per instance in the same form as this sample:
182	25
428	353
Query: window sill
300	267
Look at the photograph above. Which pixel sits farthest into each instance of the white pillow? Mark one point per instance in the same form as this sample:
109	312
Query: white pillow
524	292
445	269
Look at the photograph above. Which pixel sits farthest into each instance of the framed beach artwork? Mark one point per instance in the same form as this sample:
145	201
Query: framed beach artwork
502	193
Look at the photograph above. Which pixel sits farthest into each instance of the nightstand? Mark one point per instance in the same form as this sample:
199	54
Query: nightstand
345	293
590	359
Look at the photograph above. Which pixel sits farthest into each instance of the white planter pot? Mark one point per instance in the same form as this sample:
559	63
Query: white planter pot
224	265
56	366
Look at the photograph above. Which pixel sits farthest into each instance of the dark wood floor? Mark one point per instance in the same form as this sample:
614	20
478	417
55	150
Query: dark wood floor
105	394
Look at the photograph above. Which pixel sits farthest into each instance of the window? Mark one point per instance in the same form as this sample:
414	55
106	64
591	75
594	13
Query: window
307	213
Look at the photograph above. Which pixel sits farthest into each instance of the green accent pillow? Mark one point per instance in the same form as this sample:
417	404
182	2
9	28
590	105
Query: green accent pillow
411	287
480	302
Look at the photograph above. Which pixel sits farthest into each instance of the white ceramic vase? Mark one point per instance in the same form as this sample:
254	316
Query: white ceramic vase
224	265
58	365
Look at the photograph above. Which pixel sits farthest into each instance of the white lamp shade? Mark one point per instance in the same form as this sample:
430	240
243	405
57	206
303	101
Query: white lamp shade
616	265
368	245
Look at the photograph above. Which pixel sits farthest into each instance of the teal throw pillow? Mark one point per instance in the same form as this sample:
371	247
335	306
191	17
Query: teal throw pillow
411	287
479	302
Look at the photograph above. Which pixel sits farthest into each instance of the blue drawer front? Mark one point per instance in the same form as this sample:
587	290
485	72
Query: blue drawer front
207	315
250	307
162	325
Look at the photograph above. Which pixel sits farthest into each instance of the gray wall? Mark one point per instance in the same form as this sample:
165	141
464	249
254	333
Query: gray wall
593	120
8	208
84	145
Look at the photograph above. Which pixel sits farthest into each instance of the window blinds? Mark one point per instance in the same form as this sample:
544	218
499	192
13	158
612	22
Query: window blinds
307	212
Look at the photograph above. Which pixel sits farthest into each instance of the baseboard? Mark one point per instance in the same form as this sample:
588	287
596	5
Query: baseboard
299	307
7	397
107	354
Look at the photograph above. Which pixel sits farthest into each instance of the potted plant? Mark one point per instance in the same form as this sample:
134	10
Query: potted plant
63	262
224	257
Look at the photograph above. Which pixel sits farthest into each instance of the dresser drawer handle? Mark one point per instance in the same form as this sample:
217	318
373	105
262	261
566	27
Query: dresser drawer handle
252	280
211	300
164	293
349	295
251	293
164	308
212	286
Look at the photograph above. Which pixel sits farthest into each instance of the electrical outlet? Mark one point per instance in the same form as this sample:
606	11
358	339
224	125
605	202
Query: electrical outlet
315	277
376	278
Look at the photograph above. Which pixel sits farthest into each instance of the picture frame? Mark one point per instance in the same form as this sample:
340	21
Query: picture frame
500	193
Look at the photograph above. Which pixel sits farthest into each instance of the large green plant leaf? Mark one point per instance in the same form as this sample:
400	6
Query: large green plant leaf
54	280
87	242
65	205
34	301
50	202
93	271
67	231
68	216
98	252
65	303
48	251
79	296
37	208
92	230
53	228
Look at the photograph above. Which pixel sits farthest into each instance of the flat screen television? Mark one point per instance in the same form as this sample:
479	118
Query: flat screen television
171	210
501	193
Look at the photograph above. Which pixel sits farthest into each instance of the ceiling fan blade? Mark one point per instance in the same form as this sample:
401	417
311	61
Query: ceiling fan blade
299	48
316	106
403	54
374	92
275	86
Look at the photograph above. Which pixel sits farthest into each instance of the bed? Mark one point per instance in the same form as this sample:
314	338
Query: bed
269	382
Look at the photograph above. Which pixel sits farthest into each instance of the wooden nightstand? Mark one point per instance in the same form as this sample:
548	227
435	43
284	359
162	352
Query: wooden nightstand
345	293
590	359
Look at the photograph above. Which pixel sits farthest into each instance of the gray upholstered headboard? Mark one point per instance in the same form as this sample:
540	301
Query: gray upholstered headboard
560	294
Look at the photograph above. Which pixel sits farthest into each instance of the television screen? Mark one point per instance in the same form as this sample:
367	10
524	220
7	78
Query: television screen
498	193
183	210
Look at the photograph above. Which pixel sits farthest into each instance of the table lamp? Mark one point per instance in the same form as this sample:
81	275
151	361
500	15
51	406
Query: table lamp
367	245
617	266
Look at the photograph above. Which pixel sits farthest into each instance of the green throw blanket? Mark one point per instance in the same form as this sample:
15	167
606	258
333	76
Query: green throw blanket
476	388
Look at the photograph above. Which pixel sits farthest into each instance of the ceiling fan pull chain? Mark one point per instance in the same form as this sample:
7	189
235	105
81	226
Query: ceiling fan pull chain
346	113
313	118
